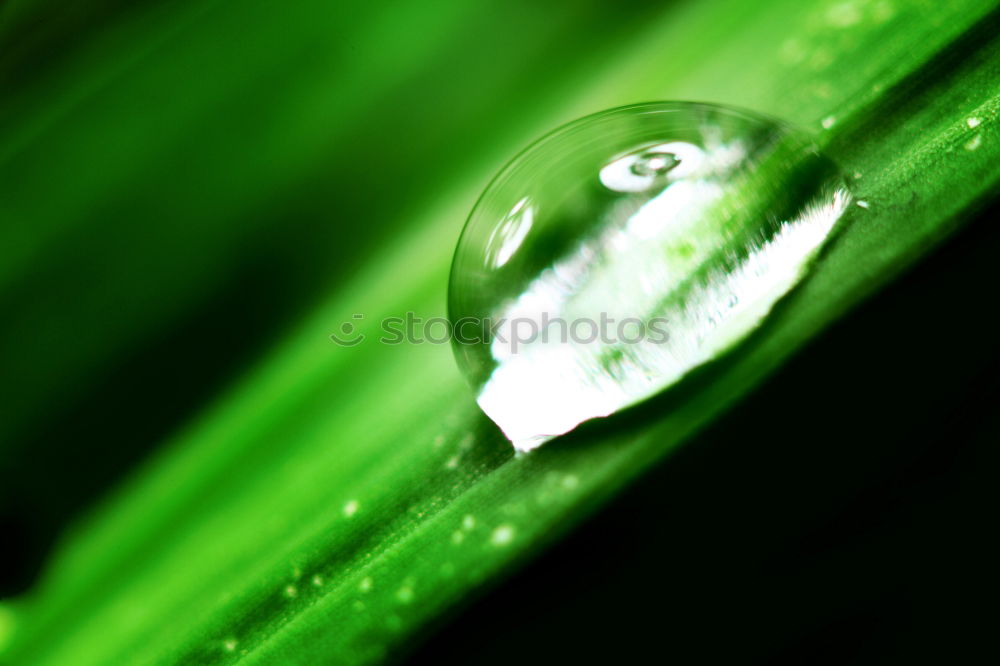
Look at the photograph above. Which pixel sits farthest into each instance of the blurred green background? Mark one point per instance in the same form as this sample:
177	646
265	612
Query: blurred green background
185	184
182	180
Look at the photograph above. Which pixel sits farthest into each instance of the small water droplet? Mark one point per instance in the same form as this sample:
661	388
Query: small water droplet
291	591
366	584
843	15
351	508
405	594
661	235
973	123
229	645
8	622
502	535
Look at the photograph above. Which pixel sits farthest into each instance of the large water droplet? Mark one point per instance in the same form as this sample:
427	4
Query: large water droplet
626	248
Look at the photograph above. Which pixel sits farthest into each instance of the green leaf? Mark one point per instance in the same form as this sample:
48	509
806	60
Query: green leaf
336	501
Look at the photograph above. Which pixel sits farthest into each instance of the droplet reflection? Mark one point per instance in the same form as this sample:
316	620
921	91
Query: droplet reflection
627	248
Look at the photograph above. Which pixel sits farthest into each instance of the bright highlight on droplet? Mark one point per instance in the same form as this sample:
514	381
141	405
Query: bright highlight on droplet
626	249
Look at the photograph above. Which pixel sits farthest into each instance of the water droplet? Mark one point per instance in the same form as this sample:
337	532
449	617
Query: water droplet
843	15
502	535
653	162
351	508
8	621
405	594
660	236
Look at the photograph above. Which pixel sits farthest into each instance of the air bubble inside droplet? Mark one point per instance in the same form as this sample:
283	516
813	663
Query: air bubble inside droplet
654	163
626	249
